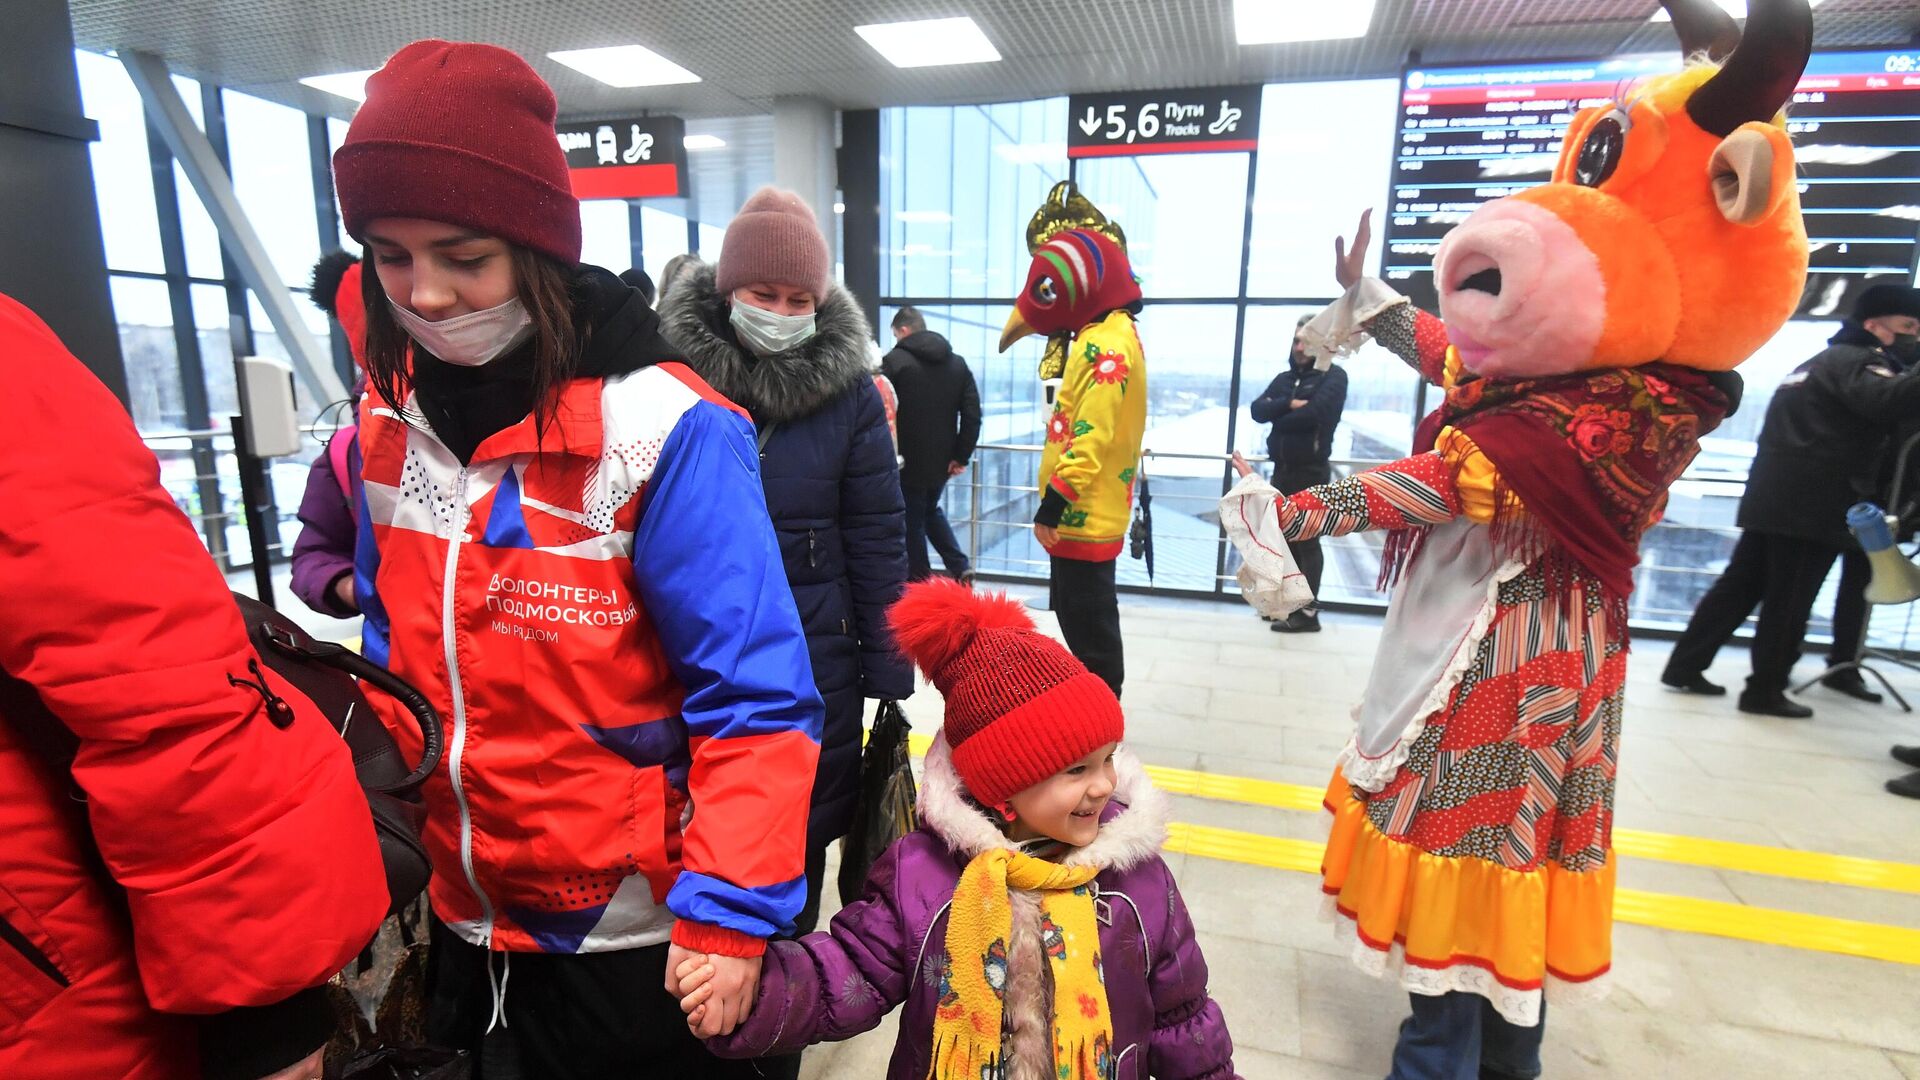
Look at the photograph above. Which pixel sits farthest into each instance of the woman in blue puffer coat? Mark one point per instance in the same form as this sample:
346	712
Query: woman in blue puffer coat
769	328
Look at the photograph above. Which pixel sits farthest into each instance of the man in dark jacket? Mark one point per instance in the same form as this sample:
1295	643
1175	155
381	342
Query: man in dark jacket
1303	403
939	423
1820	451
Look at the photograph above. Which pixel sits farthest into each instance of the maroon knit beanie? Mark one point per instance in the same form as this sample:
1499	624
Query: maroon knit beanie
1020	707
774	239
463	134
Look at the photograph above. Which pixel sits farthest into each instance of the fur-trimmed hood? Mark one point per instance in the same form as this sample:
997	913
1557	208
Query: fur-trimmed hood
775	389
825	985
1132	829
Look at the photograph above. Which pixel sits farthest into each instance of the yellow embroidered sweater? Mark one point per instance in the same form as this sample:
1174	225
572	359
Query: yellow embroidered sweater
1093	441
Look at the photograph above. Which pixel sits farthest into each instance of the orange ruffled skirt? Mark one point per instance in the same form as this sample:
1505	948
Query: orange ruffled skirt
1465	923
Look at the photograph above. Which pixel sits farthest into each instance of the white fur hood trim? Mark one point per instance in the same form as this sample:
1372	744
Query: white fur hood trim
1126	841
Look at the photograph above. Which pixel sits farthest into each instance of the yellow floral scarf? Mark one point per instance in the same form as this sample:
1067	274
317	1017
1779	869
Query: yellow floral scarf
968	1020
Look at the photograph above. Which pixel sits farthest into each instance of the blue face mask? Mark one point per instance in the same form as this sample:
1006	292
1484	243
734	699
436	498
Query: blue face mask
767	333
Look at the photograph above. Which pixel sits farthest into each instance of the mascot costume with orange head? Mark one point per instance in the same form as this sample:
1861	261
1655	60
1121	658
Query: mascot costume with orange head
1589	330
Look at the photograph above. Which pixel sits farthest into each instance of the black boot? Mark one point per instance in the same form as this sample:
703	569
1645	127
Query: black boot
1691	683
1850	683
1773	704
1907	786
1908	756
1304	621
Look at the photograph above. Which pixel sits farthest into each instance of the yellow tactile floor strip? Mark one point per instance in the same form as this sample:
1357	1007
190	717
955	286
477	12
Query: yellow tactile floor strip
1717	918
1663	847
1685	914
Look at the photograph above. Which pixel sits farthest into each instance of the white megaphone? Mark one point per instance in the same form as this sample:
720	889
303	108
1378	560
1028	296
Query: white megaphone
1895	579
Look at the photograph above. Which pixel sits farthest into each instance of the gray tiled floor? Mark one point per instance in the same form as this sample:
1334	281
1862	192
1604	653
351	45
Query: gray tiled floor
1209	688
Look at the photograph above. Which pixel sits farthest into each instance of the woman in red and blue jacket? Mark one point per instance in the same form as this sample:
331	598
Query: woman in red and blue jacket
564	544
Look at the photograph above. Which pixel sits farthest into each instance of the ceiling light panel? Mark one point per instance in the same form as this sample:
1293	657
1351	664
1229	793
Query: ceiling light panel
625	66
930	42
351	85
1269	22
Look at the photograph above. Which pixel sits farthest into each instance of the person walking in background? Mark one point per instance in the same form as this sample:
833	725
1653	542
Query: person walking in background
1303	403
940	418
769	328
1820	451
180	875
323	553
566	549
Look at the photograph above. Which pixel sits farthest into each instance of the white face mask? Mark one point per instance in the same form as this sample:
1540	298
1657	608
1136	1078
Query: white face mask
471	340
767	333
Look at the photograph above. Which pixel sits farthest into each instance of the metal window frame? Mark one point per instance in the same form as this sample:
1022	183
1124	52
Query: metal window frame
1240	301
165	109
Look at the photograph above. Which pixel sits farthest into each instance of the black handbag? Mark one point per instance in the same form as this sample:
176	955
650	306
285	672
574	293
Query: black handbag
326	673
887	800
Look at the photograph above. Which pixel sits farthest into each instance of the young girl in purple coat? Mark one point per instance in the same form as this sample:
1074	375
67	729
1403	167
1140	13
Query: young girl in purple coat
1029	925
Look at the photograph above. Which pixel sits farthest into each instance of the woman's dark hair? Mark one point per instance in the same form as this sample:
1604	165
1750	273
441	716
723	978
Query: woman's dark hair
544	284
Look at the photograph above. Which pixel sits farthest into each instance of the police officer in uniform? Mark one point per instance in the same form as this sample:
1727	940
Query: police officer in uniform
1820	452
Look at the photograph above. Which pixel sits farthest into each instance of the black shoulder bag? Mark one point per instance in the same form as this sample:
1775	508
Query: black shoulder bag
326	672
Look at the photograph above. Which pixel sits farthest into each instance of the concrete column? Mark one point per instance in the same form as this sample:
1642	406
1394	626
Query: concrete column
803	156
860	189
51	255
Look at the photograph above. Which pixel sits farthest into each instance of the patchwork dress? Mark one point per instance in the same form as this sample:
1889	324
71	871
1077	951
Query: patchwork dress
1473	809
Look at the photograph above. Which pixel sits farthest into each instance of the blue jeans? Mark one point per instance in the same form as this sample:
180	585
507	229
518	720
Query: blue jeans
1459	1036
926	521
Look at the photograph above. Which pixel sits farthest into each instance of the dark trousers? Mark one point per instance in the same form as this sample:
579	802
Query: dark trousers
1850	607
927	521
1459	1036
584	1016
1780	574
1305	552
1083	598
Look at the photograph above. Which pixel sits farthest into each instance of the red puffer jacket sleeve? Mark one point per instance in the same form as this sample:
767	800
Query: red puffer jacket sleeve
246	851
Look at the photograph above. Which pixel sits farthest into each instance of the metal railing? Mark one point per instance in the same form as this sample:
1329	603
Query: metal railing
1680	558
992	510
201	471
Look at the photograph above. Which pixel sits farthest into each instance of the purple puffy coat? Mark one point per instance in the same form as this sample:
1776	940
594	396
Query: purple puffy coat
323	553
886	949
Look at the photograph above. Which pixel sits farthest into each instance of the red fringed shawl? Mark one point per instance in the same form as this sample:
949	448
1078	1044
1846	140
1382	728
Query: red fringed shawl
1590	456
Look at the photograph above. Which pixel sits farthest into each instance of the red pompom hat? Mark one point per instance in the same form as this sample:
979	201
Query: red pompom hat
463	134
350	307
1020	707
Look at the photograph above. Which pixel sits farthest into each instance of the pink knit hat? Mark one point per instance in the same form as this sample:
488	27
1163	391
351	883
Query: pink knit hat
774	239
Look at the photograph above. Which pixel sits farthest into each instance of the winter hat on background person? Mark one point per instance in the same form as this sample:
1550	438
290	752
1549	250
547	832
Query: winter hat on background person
1020	707
775	238
1883	300
460	133
335	289
638	279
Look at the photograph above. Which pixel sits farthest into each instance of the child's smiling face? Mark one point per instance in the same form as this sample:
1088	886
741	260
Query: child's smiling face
1067	805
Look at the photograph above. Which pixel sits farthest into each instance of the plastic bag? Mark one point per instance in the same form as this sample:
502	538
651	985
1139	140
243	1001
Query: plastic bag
887	800
1270	577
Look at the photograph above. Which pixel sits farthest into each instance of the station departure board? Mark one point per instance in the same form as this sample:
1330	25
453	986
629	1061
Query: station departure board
1468	135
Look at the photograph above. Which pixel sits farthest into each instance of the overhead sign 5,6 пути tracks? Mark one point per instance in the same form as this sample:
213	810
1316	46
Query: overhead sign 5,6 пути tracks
1221	119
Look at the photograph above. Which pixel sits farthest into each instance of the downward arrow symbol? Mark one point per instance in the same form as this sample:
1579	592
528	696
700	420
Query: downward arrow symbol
1092	122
